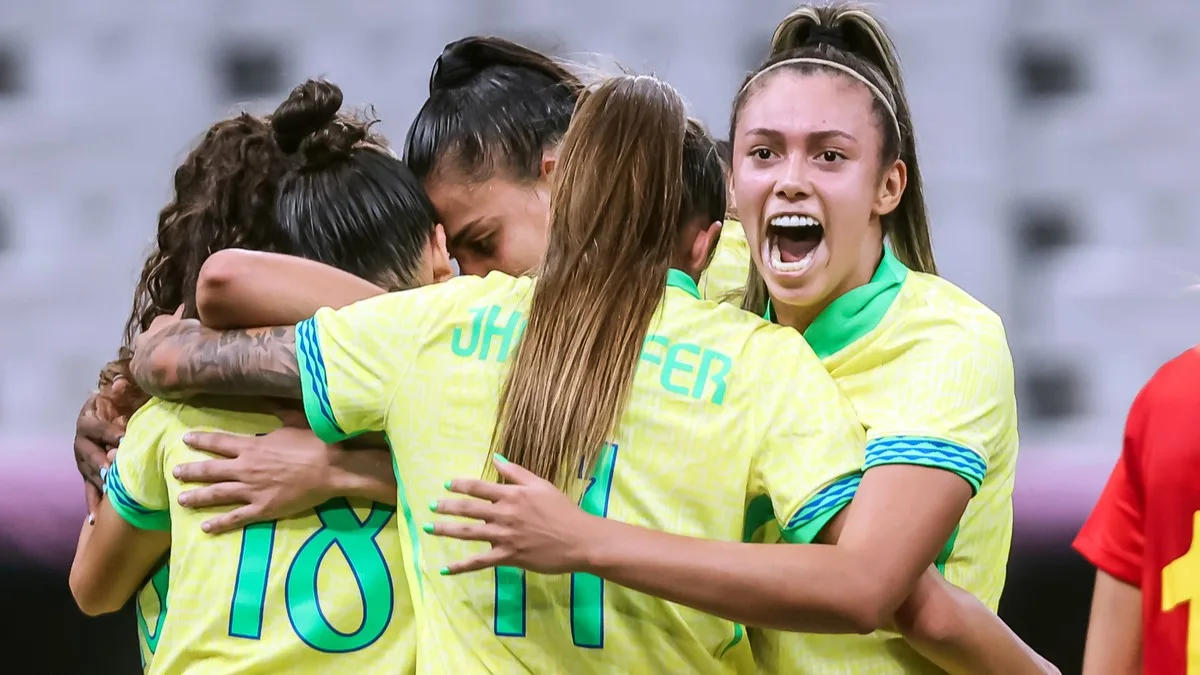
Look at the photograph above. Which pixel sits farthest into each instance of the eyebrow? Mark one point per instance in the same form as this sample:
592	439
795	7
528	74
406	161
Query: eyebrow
466	232
822	135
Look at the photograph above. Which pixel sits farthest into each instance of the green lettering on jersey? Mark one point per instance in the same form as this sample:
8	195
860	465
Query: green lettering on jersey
355	540
158	583
489	325
685	368
688	369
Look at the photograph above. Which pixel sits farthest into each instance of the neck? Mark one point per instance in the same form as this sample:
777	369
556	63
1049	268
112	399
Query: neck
801	317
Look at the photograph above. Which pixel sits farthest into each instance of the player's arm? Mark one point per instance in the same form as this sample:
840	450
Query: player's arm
955	630
1114	639
900	519
131	530
185	359
238	288
112	561
280	474
1113	539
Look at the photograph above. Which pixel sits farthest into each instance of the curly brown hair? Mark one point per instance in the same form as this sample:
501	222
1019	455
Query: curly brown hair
224	197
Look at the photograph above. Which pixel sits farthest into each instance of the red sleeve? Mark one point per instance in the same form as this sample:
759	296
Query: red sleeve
1113	537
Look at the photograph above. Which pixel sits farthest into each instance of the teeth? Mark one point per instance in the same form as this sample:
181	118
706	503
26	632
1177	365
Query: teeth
794	221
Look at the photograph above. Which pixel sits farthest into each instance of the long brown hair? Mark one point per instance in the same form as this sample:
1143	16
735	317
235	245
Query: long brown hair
849	35
616	210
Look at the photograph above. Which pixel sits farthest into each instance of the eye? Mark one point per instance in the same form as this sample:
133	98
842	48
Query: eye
484	246
761	153
831	156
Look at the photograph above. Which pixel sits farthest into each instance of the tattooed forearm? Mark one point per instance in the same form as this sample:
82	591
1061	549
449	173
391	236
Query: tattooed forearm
188	359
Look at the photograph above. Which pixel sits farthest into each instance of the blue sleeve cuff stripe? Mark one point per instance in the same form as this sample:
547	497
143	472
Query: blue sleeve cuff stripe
925	450
116	492
832	496
310	345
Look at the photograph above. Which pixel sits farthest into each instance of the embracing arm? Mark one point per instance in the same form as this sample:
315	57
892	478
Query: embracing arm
892	533
238	288
112	561
186	358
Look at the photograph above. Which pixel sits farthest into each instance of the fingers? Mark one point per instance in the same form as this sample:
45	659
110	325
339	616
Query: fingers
217	494
513	473
99	431
481	561
465	508
89	459
208	471
233	520
91	494
483	489
292	418
112	456
225	445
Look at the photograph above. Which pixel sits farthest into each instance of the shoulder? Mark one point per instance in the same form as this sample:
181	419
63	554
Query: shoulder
934	315
1173	392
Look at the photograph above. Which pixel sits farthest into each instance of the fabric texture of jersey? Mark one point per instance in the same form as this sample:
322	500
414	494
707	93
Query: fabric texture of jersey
715	417
318	593
1145	530
930	375
725	278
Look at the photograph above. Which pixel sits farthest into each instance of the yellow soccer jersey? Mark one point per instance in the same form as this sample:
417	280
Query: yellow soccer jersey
150	608
715	417
319	593
725	278
930	375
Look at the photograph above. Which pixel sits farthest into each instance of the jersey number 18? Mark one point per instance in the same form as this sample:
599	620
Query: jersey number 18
587	590
355	538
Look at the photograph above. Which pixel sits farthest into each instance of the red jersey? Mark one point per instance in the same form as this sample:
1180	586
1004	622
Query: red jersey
1145	530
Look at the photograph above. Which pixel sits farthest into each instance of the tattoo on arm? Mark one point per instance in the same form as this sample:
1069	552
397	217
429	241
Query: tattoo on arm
189	359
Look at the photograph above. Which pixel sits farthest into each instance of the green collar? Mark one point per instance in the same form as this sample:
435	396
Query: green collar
855	313
680	279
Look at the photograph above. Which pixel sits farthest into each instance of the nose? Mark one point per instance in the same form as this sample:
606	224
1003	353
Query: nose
794	183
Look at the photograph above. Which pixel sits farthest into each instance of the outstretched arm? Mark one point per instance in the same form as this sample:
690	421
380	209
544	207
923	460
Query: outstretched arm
239	289
185	358
891	531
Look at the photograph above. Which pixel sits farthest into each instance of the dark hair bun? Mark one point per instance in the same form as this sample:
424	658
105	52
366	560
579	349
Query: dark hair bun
307	123
463	59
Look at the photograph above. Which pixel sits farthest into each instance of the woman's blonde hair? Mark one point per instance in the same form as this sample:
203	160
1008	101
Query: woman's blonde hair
617	208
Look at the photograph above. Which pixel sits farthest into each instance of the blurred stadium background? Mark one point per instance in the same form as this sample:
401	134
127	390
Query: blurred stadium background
1057	139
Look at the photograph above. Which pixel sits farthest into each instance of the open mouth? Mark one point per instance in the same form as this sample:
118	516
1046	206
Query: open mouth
791	242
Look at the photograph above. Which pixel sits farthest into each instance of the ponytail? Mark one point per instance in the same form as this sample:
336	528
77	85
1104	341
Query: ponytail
616	211
493	106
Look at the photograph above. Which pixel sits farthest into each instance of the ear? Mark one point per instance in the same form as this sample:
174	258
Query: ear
703	247
891	188
549	160
443	269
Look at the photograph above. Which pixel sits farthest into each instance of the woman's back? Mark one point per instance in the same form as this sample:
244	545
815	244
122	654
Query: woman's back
713	419
311	594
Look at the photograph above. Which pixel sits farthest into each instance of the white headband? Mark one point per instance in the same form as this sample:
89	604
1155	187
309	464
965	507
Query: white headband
839	67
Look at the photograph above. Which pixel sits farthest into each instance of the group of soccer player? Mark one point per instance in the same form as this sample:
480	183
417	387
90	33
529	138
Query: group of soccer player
601	447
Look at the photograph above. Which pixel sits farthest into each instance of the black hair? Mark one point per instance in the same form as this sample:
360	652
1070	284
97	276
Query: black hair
493	106
704	187
347	201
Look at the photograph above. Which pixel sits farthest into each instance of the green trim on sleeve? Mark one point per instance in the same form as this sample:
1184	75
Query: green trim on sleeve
808	522
130	510
313	384
937	453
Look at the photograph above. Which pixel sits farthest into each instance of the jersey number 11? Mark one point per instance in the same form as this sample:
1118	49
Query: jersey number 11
587	590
